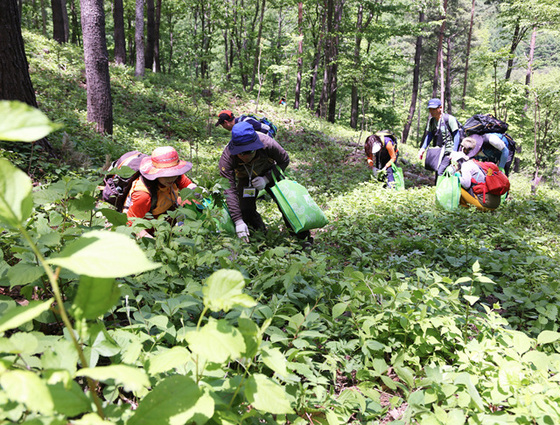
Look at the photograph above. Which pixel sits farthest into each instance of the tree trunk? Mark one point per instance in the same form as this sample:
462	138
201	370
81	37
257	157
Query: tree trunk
333	82
258	46
354	106
139	39
415	81
43	18
58	21
76	33
99	102
120	43
439	52
529	73
321	111
157	59
518	35
297	92
15	83
448	76
150	30
469	39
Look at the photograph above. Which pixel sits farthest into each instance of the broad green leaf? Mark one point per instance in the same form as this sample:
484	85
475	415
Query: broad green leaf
471	299
267	395
114	217
27	388
24	343
23	273
223	290
173	401
338	309
406	374
95	297
465	379
168	360
103	254
217	341
16	202
274	359
69	401
520	341
476	267
21	122
131	378
547	337
18	316
91	419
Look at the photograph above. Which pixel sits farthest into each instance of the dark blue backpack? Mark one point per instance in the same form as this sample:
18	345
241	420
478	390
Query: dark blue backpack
269	128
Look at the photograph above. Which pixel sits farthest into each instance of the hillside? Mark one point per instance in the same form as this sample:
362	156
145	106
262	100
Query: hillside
401	312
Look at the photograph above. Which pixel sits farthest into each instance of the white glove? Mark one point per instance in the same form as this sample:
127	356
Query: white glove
259	183
242	230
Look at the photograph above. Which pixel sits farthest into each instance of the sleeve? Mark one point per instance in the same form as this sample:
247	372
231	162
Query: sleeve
392	153
454	128
184	182
500	145
276	152
140	204
429	135
231	195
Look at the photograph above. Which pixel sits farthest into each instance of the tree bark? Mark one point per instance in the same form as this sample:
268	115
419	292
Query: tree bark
99	102
258	45
415	81
120	43
529	73
43	18
76	33
59	34
439	52
518	35
139	40
333	82
150	30
469	40
448	76
15	82
157	59
297	92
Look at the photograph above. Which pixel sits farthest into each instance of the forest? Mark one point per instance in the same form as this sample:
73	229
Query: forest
400	312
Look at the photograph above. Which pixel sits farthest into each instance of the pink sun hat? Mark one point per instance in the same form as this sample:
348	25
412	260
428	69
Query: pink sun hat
164	162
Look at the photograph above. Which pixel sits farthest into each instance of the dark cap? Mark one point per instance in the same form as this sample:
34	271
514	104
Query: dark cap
224	115
434	103
244	139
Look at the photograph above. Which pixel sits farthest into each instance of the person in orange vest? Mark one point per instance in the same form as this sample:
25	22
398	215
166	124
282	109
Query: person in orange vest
157	189
381	152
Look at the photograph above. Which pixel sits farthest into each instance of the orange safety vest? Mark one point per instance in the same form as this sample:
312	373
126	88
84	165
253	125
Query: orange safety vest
167	197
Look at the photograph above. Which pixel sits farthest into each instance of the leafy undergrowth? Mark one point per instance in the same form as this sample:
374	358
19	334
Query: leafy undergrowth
400	312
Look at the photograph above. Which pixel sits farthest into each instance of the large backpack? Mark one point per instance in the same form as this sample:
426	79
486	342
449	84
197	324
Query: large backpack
506	138
495	183
126	170
482	124
267	127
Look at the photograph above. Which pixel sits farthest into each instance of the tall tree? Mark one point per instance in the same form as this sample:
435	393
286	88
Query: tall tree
99	101
15	82
415	80
333	56
438	71
469	39
297	92
118	32
157	59
258	45
59	32
150	34
139	39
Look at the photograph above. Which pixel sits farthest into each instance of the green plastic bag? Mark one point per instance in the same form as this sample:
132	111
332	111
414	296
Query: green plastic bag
448	191
399	177
297	205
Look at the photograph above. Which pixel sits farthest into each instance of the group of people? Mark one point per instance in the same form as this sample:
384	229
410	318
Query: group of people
247	162
443	130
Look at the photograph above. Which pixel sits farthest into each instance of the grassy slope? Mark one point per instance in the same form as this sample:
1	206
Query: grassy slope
395	237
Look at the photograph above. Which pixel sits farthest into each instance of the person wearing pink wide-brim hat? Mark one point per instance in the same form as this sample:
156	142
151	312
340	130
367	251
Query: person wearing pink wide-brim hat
157	189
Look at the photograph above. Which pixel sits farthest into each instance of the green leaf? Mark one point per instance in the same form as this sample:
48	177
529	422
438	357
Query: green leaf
274	359
91	419
465	379
21	122
175	400
103	254
95	296
223	290
471	299
168	360
114	217
267	395
24	273
16	202
27	388
217	341
547	337
131	378
338	309
18	316
69	401
520	341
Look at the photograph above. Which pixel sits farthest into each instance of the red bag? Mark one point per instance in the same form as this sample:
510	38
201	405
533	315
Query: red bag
495	183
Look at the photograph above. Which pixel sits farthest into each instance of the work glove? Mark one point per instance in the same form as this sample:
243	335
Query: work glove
370	162
259	183
421	154
242	230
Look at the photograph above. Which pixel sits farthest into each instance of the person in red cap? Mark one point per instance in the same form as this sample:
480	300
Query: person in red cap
157	189
248	162
227	120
